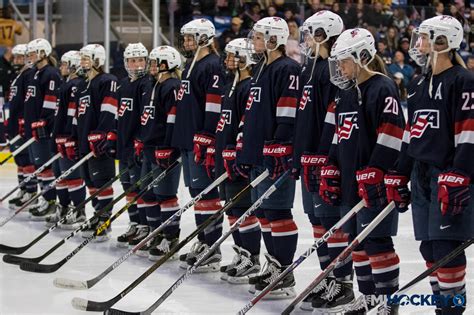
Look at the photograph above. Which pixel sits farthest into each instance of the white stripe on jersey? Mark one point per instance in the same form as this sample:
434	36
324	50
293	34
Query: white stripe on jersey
389	141
71	112
171	119
49	104
108	108
284	111
213	107
330	118
465	136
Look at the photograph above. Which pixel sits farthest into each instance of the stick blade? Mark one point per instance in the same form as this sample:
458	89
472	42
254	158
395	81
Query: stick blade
70	284
5	249
114	311
92	306
39	268
79	304
15	260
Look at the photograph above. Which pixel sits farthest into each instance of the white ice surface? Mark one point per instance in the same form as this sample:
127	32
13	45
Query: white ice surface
29	293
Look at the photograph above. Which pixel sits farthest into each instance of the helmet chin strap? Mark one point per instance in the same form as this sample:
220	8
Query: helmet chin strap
193	62
316	55
433	66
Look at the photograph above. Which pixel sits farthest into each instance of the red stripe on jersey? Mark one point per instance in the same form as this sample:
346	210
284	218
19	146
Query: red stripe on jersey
287	102
71	105
332	107
172	111
464	125
213	98
50	98
391	130
110	100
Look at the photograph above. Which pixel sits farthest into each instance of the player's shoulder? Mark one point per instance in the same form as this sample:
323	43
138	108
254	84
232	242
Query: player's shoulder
170	84
380	84
287	65
107	77
462	76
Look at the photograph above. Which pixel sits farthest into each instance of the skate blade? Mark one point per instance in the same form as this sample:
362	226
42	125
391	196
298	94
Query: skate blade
121	245
214	267
100	239
37	219
183	265
306	306
279	294
156	258
70	227
224	277
240	280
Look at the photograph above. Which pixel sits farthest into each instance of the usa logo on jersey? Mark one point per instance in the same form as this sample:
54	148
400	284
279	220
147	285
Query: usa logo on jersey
226	118
347	122
184	89
84	102
254	96
30	92
125	104
306	97
13	92
148	113
422	119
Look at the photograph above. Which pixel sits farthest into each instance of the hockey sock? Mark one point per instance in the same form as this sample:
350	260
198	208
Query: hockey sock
197	214
46	178
335	245
426	250
266	230
142	212
433	279
153	213
284	234
168	208
20	176
363	271
207	208
63	195
76	190
105	196
133	213
95	200
384	262
235	234
32	185
318	232
249	232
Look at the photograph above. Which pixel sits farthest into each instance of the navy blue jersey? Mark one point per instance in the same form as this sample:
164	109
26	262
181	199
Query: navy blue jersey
233	109
159	114
369	134
41	98
442	126
66	110
96	109
16	99
198	104
315	99
132	97
271	109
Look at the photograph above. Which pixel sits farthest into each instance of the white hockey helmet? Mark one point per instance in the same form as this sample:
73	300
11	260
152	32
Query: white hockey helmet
39	45
357	44
202	29
324	24
274	29
168	55
136	50
72	58
242	49
442	29
20	49
95	52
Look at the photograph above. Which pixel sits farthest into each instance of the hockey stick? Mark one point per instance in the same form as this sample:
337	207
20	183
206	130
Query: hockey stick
341	258
20	250
214	246
31	176
47	188
15	139
17	151
78	285
43	268
440	263
300	259
18	260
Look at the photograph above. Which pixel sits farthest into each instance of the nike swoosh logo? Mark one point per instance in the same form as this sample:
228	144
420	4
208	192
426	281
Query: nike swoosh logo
364	225
95	173
317	206
410	95
143	93
195	179
421	81
36	159
444	227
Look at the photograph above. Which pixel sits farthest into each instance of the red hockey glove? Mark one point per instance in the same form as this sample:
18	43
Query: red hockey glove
201	142
453	192
396	187
330	186
21	127
60	145
138	148
229	155
111	149
72	151
371	187
38	130
210	162
97	142
166	156
312	164
277	158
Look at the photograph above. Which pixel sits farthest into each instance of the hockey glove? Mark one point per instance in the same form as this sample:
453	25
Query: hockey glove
138	148
277	157
60	145
166	156
21	127
38	130
72	151
330	186
97	143
371	187
312	164
210	162
229	155
111	150
201	142
396	187
453	192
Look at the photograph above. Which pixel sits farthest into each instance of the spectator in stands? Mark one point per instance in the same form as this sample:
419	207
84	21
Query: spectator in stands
471	31
399	19
404	46
9	28
383	52
398	78
252	15
375	16
292	46
439	7
235	31
470	63
349	16
392	39
289	15
398	65
314	6
7	72
272	11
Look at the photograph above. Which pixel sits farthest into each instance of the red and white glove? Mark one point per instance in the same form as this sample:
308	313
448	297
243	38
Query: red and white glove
201	142
138	147
72	150
277	158
112	144
210	162
330	186
312	164
60	145
453	192
38	129
371	187
97	143
21	127
229	155
396	186
166	156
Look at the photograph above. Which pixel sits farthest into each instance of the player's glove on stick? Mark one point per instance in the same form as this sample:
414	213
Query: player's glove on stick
138	147
330	186
396	186
165	156
453	192
201	142
277	158
60	145
371	187
72	150
312	164
210	162
97	143
229	155
38	129
111	149
21	127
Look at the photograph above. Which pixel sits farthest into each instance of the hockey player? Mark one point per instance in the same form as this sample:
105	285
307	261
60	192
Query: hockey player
313	137
157	122
96	112
15	125
266	143
39	109
72	189
367	142
132	96
198	110
441	151
247	238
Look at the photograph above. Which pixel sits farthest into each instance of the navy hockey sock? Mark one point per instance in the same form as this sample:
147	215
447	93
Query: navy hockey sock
153	214
336	244
266	231
141	206
95	200
322	251
363	271
384	262
32	185
206	208
104	198
236	233
133	213
20	175
249	232
46	178
63	195
284	234
76	190
426	250
169	208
